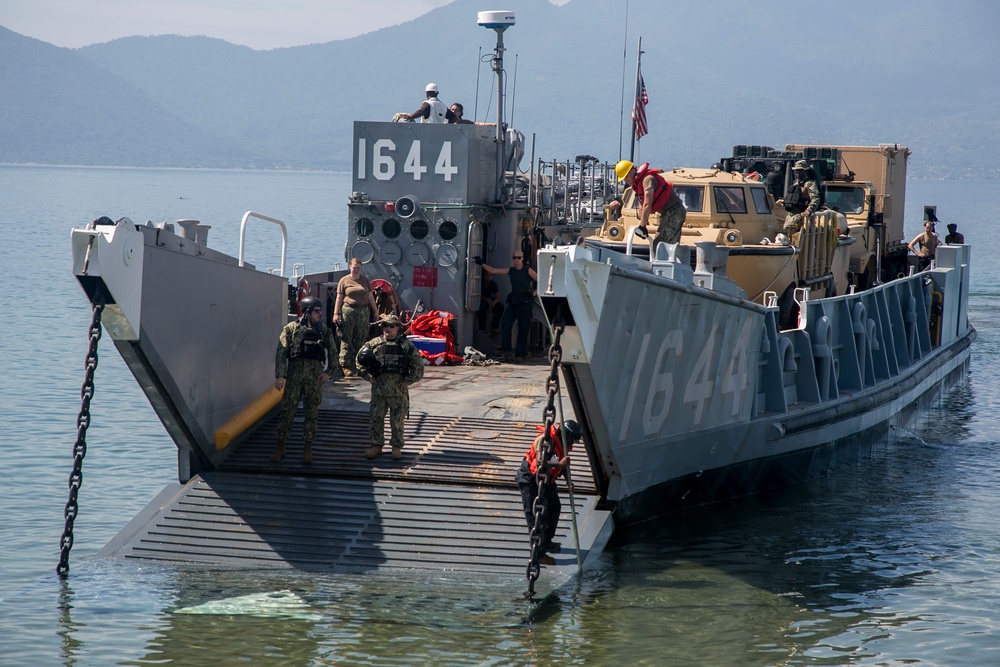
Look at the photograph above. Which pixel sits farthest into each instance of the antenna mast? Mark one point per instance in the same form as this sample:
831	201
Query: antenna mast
499	21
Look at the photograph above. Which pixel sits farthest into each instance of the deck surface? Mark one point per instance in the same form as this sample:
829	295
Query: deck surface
450	503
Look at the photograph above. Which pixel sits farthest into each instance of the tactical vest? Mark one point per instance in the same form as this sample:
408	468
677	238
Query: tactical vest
307	343
392	357
795	201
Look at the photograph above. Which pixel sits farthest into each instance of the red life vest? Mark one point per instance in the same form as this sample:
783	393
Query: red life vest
557	451
662	192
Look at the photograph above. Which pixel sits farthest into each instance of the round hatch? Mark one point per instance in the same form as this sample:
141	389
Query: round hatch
390	253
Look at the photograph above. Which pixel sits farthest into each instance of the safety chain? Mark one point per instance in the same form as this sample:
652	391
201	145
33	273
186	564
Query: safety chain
540	508
80	448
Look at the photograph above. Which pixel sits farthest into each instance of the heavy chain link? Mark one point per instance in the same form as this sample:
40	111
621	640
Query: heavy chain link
540	508
80	448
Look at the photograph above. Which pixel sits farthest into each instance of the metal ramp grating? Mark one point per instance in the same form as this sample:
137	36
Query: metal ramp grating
344	525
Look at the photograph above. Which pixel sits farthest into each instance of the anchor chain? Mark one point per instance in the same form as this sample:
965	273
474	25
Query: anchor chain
540	507
80	448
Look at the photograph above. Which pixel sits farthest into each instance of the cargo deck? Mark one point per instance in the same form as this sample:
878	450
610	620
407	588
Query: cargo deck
449	504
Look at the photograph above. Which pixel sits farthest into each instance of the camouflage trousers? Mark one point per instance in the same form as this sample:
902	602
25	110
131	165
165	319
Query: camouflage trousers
301	383
669	230
398	408
793	224
354	324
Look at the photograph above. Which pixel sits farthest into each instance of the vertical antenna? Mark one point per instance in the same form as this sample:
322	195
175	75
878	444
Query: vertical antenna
498	21
479	68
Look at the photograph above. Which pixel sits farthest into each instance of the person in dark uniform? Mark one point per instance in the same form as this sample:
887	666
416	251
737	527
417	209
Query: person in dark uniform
527	482
520	302
302	364
954	237
490	308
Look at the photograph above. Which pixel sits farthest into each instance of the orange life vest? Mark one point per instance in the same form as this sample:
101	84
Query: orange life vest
662	192
557	452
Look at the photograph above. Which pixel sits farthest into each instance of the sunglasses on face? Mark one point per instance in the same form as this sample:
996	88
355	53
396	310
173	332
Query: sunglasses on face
389	326
518	256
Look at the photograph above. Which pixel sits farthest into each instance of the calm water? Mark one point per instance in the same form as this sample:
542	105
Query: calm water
896	562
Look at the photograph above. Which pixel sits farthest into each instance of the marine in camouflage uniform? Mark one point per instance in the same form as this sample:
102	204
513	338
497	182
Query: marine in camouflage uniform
801	200
304	360
391	363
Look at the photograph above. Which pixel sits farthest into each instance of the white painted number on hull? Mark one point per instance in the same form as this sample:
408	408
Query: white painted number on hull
384	163
700	383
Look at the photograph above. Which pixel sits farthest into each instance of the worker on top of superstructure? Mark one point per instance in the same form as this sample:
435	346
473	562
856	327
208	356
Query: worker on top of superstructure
655	195
432	110
802	199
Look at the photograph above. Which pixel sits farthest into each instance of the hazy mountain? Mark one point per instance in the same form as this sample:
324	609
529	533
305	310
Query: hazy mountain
923	73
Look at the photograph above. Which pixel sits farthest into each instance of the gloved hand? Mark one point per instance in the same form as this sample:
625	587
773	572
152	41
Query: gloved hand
478	260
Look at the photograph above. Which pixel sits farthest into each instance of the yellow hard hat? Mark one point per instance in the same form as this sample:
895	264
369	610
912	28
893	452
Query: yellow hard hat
622	169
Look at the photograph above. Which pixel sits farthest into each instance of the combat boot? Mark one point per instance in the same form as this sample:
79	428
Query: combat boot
397	453
307	453
278	453
373	452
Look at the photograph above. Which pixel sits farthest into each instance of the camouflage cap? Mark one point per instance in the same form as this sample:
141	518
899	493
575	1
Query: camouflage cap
389	319
802	164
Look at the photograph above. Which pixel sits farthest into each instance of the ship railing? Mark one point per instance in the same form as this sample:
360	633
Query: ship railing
259	216
817	244
574	191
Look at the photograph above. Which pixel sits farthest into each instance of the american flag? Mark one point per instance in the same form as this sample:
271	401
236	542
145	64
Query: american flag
639	110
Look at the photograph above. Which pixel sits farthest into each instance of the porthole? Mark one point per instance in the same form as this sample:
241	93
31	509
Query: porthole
391	228
448	230
419	229
418	254
364	227
390	253
446	255
362	250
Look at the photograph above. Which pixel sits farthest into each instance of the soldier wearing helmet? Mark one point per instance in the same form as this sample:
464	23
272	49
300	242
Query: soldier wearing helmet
432	110
391	363
303	362
655	195
802	199
528	482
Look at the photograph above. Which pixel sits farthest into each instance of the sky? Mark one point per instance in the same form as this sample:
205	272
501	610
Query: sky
259	24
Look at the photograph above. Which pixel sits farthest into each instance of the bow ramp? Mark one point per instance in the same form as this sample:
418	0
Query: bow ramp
449	504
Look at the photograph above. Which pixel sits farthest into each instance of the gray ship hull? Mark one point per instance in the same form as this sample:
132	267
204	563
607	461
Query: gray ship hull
691	396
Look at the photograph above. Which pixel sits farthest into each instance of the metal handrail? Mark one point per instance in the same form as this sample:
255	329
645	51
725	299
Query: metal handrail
284	235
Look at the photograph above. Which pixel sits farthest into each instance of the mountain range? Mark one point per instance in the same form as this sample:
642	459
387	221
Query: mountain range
921	73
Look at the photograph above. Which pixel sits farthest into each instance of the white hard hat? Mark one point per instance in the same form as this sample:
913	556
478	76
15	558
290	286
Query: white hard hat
431	88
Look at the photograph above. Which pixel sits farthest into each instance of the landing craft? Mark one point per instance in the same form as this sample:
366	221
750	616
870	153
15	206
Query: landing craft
734	361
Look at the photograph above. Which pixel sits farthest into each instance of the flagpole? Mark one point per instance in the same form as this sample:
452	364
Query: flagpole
635	96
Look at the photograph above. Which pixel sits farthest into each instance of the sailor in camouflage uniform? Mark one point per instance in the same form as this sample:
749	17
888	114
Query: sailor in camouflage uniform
391	363
802	198
301	366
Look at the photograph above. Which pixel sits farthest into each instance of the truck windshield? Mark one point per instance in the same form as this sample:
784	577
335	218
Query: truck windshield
845	199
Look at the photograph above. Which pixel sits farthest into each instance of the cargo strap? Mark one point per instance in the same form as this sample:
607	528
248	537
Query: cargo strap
80	448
